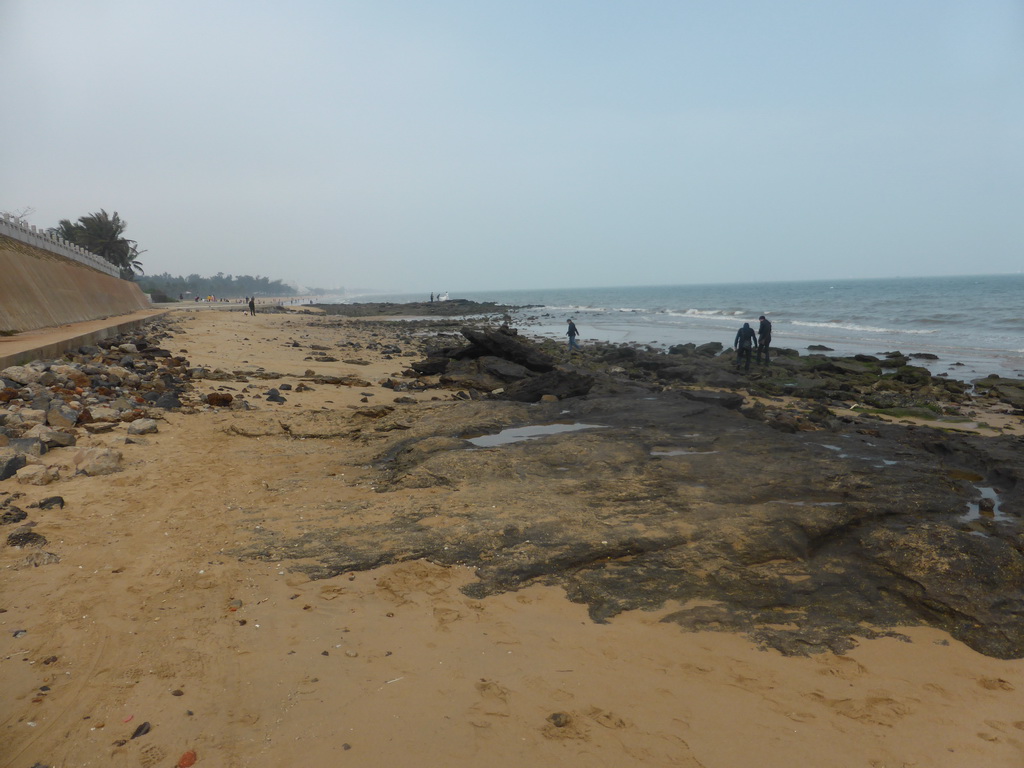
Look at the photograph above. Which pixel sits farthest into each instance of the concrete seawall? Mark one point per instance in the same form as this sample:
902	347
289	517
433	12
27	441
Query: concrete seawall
39	289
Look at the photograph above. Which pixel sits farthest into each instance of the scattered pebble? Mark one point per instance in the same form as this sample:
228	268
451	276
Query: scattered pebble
142	730
560	719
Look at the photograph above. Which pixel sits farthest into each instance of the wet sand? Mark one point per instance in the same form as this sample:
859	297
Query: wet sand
151	617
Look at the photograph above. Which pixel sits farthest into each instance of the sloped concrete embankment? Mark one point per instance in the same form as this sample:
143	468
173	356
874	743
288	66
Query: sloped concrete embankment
39	289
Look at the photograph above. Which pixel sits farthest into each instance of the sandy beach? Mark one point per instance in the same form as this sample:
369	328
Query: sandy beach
158	621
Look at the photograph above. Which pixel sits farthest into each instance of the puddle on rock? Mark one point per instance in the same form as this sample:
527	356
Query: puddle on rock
805	503
682	452
989	506
961	474
518	434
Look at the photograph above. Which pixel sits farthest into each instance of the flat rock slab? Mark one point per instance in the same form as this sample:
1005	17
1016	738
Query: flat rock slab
804	540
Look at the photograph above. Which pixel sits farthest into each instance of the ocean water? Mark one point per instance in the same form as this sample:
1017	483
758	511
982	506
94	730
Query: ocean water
974	325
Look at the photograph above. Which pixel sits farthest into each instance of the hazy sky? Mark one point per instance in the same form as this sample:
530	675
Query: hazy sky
475	144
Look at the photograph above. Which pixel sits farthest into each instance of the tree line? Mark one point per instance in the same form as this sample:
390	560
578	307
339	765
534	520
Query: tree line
167	287
103	234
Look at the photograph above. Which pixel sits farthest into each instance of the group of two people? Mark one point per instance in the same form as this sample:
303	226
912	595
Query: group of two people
747	340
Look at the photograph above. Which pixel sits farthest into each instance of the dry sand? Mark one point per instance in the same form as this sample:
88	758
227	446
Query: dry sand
147	618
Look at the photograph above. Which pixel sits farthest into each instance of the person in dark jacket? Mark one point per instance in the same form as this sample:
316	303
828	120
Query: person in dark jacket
744	345
764	339
572	333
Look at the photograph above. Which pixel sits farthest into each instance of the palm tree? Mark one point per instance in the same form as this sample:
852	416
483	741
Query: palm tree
103	235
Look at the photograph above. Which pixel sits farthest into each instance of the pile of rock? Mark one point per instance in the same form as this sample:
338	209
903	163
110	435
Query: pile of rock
499	362
887	381
46	405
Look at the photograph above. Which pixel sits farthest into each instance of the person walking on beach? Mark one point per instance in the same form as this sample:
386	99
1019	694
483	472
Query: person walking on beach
764	339
572	333
744	344
252	306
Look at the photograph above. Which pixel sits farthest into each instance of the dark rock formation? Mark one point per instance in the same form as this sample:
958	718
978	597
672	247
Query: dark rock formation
559	383
507	345
1009	391
805	539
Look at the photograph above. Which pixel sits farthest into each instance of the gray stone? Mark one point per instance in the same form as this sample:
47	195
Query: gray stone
10	462
167	400
98	461
29	446
100	427
71	374
37	559
61	415
21	374
104	413
51	438
126	377
142	427
37	474
30	416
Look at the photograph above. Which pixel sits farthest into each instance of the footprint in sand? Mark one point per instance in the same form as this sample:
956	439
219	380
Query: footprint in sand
936	688
152	755
605	718
875	710
493	698
800	717
842	667
562	696
995	684
446	616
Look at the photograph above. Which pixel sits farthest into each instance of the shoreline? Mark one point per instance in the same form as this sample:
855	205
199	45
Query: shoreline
161	609
544	322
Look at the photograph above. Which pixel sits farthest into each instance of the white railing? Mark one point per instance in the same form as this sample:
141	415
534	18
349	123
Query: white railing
42	239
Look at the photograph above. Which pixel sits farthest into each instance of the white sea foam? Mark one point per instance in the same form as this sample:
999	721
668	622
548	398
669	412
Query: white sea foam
861	328
708	313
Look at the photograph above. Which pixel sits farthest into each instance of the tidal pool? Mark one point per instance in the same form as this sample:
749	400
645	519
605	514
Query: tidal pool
518	434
